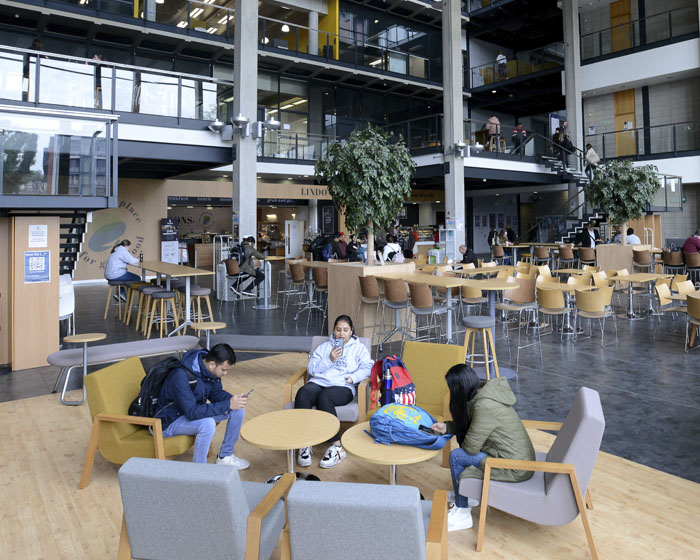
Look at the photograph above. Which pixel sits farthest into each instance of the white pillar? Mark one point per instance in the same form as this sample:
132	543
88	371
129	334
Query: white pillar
453	109
313	33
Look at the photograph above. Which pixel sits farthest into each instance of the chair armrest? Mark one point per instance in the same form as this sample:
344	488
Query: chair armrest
446	414
543	425
127	419
436	540
255	519
362	400
544	466
289	385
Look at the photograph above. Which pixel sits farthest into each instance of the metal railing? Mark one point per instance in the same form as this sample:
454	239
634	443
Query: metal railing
647	140
666	26
297	147
523	64
47	78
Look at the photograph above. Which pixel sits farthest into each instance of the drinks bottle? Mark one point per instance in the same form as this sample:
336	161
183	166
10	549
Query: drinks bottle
387	394
141	257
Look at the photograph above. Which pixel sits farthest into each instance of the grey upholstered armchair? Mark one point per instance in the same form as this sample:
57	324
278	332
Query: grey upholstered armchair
554	495
343	520
175	510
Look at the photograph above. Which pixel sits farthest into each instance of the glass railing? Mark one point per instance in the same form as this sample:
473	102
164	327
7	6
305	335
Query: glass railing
648	140
297	147
93	84
45	154
666	26
418	133
528	62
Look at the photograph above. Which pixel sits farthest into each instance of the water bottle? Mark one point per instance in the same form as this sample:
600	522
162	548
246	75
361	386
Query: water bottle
387	395
141	257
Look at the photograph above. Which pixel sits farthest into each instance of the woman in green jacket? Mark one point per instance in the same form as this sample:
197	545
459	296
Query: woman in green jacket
486	425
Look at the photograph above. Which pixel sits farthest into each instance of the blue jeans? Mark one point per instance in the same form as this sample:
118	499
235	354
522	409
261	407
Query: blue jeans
204	430
460	460
124	277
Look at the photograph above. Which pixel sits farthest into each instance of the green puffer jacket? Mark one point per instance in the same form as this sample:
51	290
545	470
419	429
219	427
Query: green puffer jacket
496	429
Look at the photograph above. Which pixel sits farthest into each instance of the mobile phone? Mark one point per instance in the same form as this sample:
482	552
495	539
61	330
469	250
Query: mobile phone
248	393
339	343
428	430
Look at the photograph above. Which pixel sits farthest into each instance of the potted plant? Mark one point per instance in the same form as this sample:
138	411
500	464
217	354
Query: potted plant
369	178
623	191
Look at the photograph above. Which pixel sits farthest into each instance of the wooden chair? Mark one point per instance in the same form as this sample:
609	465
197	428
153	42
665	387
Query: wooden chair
498	254
423	305
540	256
676	280
595	304
586	255
550	302
522	298
692	266
566	257
665	305
642	260
685	287
117	435
693	320
427	363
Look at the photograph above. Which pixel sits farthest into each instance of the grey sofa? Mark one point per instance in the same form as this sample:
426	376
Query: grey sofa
175	510
345	520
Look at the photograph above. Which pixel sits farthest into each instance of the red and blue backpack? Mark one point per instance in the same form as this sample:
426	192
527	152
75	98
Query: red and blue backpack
402	387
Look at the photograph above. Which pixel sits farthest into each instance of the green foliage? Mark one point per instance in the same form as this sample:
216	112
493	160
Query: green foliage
18	158
368	177
622	190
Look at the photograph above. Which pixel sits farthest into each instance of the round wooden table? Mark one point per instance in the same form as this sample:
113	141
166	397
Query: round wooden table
361	445
208	326
290	429
80	339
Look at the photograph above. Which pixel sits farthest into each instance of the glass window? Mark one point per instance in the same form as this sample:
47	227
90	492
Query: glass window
12	79
67	83
155	94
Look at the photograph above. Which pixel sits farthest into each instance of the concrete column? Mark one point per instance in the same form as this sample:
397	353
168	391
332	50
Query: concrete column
453	108
245	102
313	214
572	84
313	33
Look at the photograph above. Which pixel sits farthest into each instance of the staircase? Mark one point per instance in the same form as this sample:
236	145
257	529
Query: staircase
574	227
567	175
72	235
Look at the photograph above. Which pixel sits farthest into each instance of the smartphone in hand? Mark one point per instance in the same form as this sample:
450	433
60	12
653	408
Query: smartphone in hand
428	430
248	393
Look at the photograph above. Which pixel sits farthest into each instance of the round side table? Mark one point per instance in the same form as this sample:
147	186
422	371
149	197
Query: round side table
80	339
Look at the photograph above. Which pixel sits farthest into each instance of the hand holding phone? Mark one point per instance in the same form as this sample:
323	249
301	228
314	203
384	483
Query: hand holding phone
428	430
248	393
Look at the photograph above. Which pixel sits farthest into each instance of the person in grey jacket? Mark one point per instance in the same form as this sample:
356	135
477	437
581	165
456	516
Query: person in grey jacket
248	266
486	425
335	367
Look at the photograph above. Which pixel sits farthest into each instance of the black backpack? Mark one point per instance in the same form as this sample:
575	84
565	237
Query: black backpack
238	254
145	404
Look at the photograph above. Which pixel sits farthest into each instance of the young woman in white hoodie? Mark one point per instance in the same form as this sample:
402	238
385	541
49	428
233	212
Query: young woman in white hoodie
335	367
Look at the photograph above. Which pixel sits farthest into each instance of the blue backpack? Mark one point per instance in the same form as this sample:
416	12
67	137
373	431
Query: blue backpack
327	252
398	423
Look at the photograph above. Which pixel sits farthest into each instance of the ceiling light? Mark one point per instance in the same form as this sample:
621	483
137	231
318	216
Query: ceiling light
157	2
196	12
483	180
534	192
224	19
437	202
285	28
190	207
182	24
288	106
265	40
212	30
376	21
493	91
289	179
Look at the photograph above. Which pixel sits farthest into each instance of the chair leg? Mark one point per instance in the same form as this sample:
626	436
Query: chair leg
483	508
109	294
493	351
90	453
175	318
582	512
150	321
446	454
589	500
211	313
484	341
124	552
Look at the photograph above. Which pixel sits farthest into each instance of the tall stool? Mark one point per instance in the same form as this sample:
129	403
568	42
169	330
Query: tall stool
498	253
642	260
586	255
673	262
566	257
396	299
130	303
143	303
197	294
369	295
161	299
481	324
692	266
540	256
120	284
321	289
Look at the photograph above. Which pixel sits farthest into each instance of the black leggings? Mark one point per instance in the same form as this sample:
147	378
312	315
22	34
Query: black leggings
323	398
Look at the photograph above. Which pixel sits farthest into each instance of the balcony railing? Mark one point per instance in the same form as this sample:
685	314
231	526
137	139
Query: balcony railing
297	147
529	62
667	26
647	140
44	78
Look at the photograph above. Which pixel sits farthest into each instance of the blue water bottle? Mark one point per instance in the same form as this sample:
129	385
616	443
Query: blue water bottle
387	394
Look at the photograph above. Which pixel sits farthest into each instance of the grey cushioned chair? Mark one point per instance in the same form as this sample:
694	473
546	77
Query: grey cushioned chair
554	495
175	510
344	520
355	411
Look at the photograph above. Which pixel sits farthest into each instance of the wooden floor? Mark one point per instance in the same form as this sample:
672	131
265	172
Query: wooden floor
639	512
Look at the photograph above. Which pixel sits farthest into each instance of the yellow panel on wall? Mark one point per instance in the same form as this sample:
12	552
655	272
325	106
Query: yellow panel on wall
331	25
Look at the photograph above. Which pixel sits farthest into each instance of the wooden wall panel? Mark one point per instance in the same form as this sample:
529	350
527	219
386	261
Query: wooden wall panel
625	142
34	308
621	32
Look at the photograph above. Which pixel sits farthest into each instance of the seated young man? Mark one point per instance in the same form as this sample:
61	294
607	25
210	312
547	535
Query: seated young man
194	410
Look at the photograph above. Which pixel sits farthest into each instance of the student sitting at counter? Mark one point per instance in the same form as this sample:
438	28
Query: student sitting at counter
116	265
248	266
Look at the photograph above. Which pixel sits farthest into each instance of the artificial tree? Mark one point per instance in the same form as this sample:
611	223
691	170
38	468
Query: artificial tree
623	191
368	178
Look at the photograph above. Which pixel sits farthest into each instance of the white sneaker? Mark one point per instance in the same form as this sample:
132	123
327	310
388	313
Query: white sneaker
451	499
233	461
334	455
304	456
459	518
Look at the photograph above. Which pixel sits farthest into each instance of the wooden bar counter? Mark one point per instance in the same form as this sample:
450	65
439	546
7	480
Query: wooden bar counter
614	257
344	288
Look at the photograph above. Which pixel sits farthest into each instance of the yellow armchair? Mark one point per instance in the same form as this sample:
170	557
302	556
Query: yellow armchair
117	435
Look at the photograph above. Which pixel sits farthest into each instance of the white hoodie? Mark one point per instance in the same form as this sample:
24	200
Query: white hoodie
355	363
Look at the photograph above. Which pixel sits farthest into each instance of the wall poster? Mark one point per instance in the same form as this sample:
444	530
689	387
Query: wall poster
37	267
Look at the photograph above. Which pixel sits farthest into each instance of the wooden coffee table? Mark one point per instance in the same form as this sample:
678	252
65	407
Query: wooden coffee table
361	445
290	429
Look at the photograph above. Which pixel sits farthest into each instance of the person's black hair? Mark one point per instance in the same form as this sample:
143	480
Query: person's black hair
221	353
336	234
347	320
588	146
390	238
630	231
463	384
697	232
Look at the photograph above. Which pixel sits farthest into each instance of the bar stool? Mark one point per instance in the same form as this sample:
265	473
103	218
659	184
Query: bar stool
369	295
422	305
320	289
673	262
540	256
197	294
143	303
498	254
297	287
396	299
692	266
566	257
642	260
161	299
120	284
130	303
586	255
481	324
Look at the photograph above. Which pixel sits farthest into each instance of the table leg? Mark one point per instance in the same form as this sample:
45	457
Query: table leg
515	256
392	475
290	460
492	309
65	385
630	315
449	315
143	274
187	321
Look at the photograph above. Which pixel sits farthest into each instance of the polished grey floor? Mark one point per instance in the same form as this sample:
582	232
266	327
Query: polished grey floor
650	389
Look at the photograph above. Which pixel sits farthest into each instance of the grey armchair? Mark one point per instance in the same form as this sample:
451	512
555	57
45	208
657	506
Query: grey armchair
344	520
175	510
355	411
554	495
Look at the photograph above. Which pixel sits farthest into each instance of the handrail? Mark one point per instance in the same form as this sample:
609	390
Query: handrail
632	22
679	138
